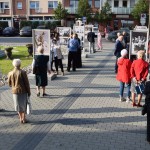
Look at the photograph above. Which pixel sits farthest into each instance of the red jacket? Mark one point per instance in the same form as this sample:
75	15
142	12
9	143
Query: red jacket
139	69
124	66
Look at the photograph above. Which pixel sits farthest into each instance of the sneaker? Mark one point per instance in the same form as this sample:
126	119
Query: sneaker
122	99
128	100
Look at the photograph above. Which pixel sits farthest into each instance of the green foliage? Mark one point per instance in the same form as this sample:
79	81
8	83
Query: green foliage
60	12
105	14
3	24
34	24
140	7
84	9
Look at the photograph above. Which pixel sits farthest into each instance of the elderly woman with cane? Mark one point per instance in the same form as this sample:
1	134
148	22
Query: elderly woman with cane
18	80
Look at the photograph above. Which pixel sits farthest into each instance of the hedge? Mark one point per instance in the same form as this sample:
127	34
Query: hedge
3	24
34	24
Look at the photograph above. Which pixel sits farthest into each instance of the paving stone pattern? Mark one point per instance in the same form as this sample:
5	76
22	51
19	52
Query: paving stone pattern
82	112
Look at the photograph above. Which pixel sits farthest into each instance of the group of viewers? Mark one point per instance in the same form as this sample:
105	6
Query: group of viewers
42	64
132	73
129	73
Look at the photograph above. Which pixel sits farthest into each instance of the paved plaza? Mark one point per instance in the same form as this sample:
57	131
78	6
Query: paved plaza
82	112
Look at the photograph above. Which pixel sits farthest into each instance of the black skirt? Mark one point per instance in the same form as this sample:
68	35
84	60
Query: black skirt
41	79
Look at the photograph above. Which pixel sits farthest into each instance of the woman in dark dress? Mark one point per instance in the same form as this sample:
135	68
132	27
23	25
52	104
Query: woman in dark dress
41	66
79	60
147	101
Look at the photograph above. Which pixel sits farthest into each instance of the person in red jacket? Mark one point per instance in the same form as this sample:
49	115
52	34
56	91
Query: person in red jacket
123	75
139	72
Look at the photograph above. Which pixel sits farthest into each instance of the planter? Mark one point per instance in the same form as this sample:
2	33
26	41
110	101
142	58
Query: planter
8	52
30	49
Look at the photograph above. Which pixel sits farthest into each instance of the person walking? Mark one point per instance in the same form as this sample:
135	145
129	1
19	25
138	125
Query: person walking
147	102
91	39
73	46
123	75
139	72
99	40
57	56
18	81
41	66
118	47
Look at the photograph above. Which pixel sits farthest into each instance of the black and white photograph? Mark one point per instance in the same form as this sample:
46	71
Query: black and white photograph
64	33
138	41
41	38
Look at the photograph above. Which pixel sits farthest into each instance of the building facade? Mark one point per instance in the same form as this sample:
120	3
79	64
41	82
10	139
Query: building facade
15	10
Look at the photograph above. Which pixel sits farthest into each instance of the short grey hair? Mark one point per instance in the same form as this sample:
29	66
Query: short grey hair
16	62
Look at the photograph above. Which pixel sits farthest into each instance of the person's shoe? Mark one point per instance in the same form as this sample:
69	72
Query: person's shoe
74	70
44	94
128	100
38	94
122	99
134	104
24	121
139	105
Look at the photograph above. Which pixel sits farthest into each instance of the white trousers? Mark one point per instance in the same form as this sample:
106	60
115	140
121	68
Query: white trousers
91	47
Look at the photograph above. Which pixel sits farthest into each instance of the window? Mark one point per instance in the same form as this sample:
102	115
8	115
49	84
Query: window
4	5
132	3
19	5
124	3
52	4
34	4
97	3
90	2
74	3
116	3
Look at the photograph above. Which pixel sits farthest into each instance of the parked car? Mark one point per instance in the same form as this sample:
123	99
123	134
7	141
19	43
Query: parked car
112	36
10	31
26	31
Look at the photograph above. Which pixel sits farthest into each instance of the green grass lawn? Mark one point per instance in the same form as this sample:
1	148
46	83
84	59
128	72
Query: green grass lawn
17	52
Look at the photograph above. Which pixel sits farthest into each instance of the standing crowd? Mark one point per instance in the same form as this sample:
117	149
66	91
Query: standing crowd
132	74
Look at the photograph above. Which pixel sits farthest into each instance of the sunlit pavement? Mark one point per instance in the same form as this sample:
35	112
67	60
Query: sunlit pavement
82	112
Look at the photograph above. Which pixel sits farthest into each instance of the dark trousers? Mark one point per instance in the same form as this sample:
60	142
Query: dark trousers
79	59
116	65
148	121
72	56
58	62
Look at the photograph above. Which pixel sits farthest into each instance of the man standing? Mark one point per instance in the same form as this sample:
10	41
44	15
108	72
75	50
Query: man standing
91	39
118	47
73	46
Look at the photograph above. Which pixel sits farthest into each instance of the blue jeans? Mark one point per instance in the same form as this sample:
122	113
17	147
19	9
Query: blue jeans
122	84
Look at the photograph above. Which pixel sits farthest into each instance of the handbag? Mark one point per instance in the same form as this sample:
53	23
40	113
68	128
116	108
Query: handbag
144	109
139	88
29	107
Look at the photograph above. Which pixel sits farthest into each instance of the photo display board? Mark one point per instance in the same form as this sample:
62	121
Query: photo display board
138	41
80	31
64	34
41	38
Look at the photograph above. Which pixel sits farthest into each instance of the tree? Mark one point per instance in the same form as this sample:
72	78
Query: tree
140	7
84	9
105	14
60	12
